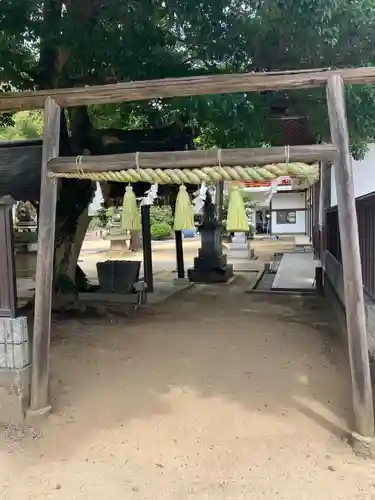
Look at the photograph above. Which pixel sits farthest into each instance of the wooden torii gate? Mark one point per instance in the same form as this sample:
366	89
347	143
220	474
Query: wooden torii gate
53	100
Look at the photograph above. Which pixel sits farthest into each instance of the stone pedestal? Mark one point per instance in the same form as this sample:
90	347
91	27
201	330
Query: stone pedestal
14	369
118	242
240	247
211	264
119	239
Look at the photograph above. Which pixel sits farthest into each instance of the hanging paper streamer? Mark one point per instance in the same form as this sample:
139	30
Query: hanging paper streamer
200	198
97	201
99	193
237	219
273	189
131	217
184	214
151	195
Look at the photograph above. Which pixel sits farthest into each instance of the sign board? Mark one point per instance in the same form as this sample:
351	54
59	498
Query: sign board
282	182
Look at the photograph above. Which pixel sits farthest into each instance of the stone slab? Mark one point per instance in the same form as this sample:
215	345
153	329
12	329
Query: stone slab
107	298
239	253
239	244
302	240
211	275
181	281
295	272
246	265
165	291
210	262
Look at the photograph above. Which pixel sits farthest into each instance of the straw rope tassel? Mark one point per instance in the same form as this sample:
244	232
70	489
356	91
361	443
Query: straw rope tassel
184	214
131	218
237	219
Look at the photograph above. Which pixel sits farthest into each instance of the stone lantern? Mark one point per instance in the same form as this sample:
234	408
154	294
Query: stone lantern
210	266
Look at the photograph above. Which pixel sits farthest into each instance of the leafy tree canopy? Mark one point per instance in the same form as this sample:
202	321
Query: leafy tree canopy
77	42
60	43
24	125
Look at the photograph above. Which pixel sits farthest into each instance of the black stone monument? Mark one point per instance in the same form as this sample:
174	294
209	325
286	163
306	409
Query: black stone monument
211	264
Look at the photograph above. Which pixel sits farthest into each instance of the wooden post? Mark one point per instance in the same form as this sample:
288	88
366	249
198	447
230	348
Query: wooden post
351	260
269	226
219	199
319	284
147	250
8	288
324	204
315	209
179	255
39	402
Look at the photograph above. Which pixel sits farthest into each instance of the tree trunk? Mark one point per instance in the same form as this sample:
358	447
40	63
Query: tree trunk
66	256
69	278
72	221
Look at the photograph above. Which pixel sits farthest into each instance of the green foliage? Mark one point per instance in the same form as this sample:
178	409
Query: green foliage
101	220
103	217
84	42
161	214
161	230
24	125
161	220
94	224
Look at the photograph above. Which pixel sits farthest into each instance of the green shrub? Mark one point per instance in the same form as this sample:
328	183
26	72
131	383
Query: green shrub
161	214
101	219
161	230
94	224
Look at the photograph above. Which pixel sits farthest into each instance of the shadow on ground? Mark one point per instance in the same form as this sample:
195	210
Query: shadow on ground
268	355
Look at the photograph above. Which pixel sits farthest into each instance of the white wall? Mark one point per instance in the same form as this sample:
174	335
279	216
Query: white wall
363	174
298	228
285	201
281	201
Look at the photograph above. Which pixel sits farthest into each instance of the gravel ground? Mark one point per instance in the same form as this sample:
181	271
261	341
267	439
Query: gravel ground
216	394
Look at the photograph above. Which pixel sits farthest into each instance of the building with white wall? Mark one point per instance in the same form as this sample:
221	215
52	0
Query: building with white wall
285	203
289	213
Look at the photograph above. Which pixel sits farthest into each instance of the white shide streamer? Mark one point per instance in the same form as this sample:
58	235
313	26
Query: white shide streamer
151	195
200	198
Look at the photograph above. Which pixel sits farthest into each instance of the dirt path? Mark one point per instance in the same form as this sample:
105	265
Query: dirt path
216	395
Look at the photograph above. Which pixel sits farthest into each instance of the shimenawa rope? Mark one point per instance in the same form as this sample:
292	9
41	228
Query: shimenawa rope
301	171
